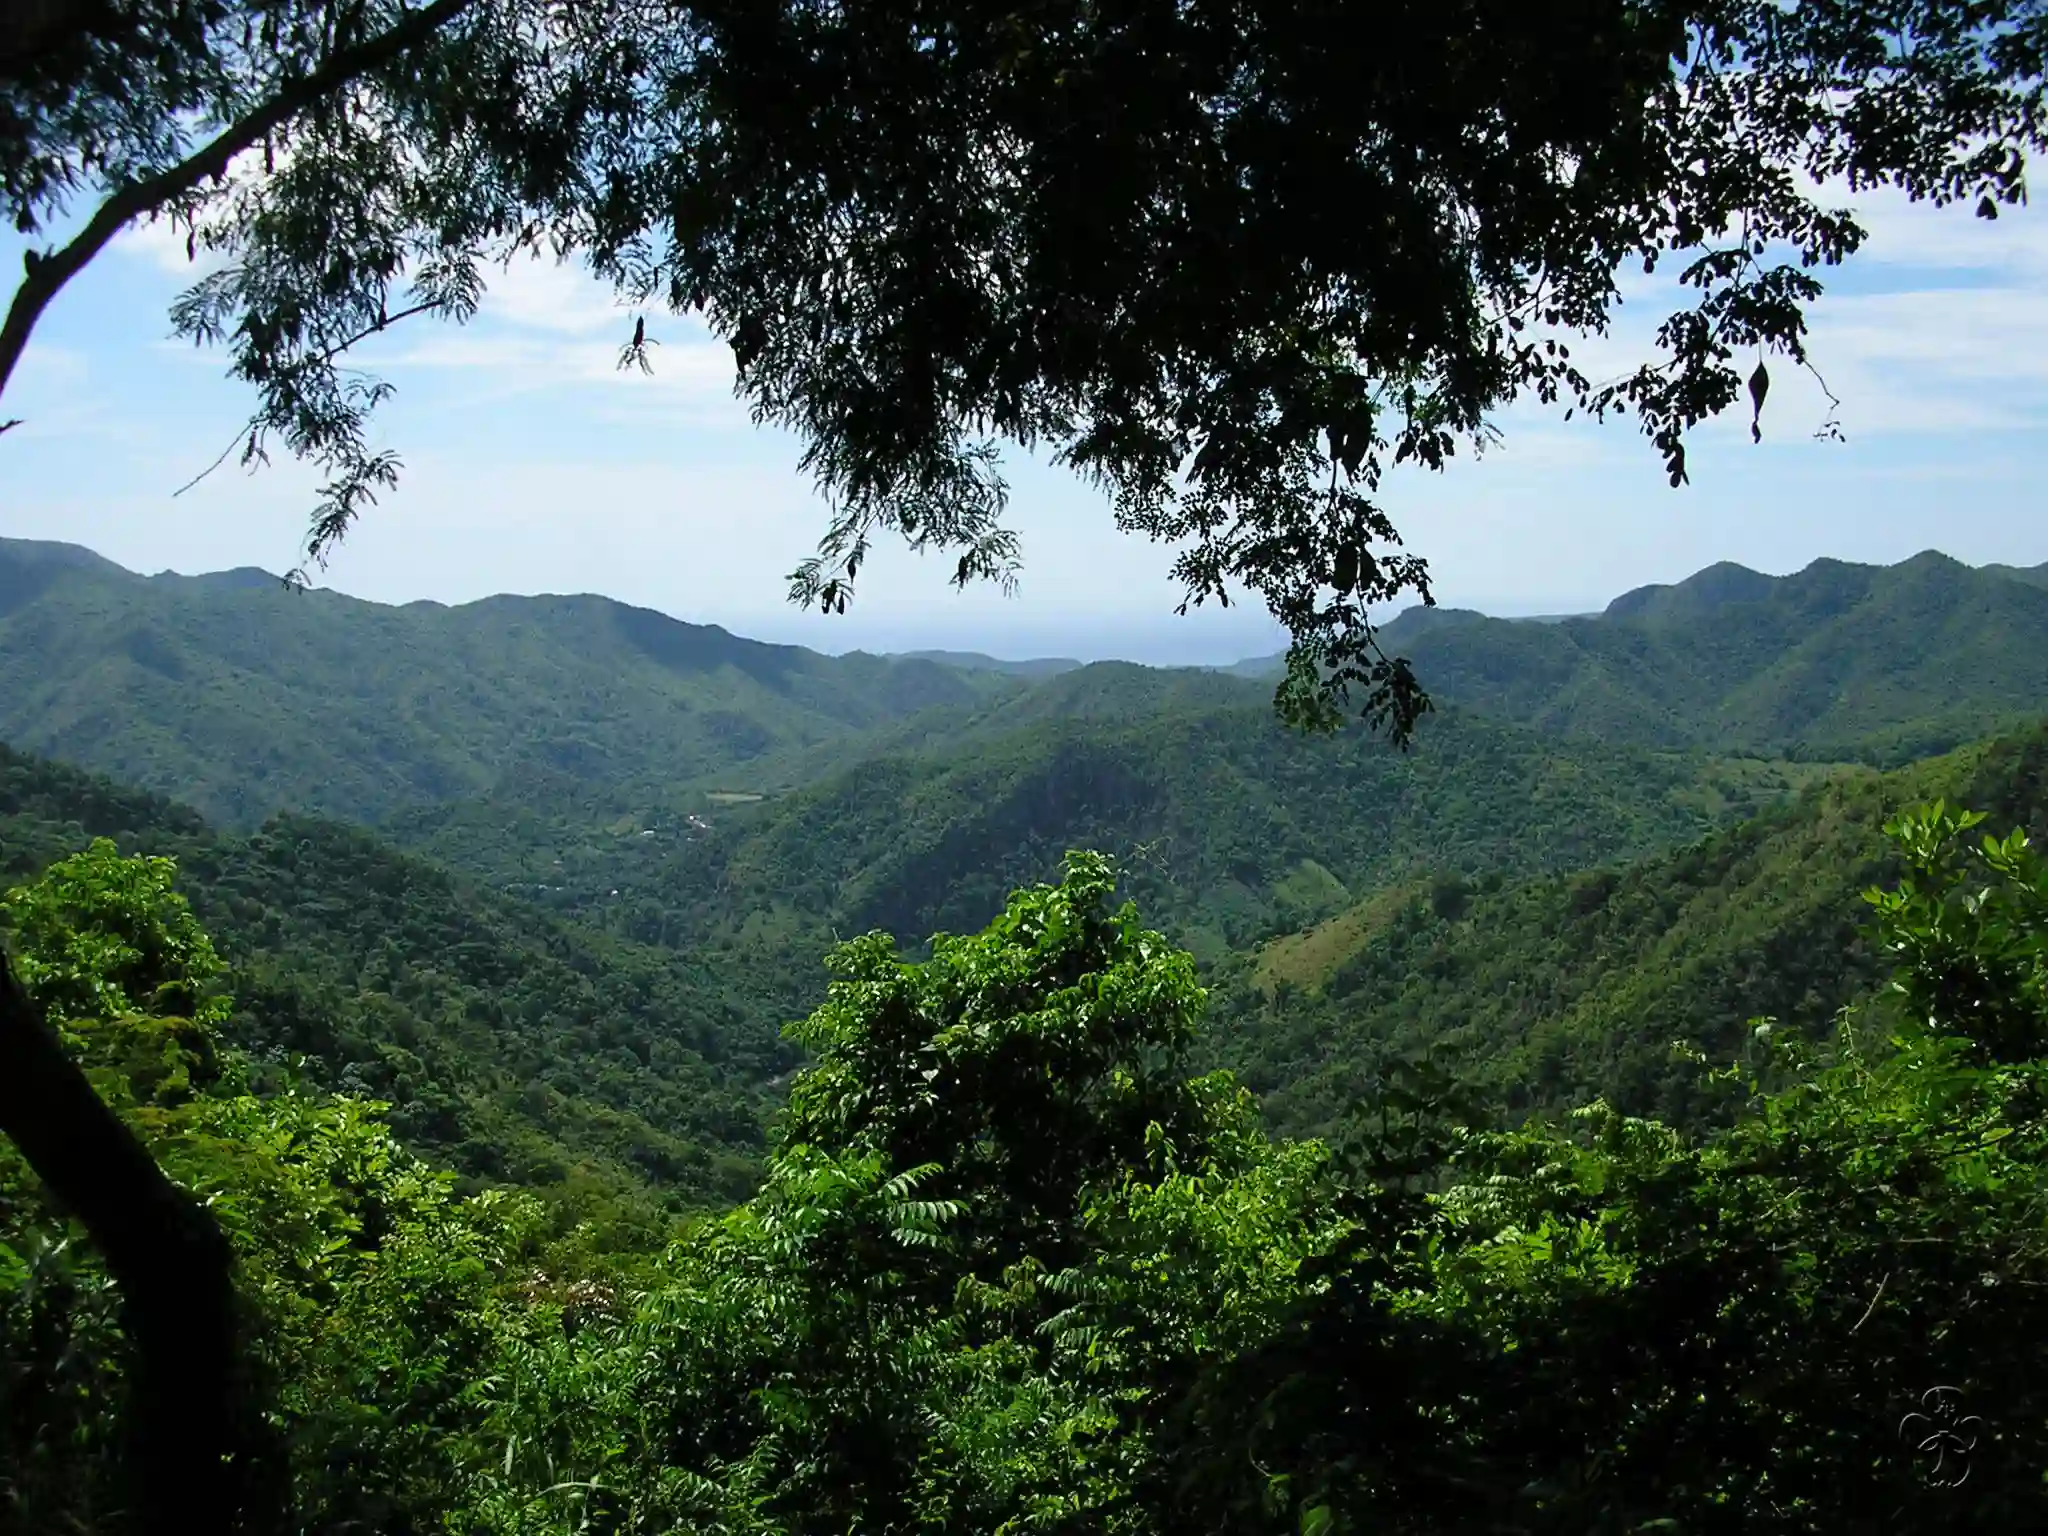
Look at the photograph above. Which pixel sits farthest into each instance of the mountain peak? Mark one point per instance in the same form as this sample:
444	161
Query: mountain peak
1718	585
52	553
242	578
29	566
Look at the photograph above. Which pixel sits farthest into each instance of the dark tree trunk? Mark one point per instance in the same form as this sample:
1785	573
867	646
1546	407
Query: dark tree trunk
167	1254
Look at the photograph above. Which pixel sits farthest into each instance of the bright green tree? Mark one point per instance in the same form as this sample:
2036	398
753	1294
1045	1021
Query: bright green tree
372	1298
1000	1223
115	958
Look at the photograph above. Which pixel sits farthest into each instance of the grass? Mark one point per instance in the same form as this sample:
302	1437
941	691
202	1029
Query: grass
1310	959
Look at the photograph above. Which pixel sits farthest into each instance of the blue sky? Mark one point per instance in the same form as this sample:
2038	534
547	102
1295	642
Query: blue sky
532	465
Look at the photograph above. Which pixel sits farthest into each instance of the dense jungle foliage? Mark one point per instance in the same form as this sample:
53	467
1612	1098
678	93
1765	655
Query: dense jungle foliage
1014	1267
519	1048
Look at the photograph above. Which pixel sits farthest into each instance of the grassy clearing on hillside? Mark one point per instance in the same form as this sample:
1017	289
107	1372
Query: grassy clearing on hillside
1310	890
1310	959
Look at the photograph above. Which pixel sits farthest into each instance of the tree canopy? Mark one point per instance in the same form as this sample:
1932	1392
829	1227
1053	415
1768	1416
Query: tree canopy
1232	261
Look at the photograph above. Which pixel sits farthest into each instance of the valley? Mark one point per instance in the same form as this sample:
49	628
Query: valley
520	1059
550	874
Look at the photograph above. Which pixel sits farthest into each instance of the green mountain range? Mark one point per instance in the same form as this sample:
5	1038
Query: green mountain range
549	873
1880	664
975	661
242	698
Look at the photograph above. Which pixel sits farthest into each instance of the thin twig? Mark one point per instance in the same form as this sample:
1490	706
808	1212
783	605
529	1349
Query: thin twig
233	444
1874	1300
383	323
1832	426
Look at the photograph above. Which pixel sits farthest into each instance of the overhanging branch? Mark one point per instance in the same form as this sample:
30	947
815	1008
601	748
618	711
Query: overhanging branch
46	273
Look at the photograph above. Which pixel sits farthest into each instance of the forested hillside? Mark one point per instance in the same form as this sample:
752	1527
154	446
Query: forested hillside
1543	992
1880	664
1226	826
241	698
515	1047
700	816
1010	1255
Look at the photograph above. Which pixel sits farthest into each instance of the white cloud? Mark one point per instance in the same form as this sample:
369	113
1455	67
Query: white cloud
1905	233
1961	348
579	373
160	244
1934	360
534	293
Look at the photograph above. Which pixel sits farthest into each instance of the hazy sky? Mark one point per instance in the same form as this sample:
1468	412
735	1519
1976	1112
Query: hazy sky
532	465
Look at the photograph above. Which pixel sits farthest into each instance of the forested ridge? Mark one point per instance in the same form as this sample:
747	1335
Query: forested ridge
1838	661
1228	826
244	699
574	982
241	699
1010	1260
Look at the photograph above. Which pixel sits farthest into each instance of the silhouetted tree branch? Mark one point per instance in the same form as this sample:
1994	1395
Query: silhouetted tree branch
46	273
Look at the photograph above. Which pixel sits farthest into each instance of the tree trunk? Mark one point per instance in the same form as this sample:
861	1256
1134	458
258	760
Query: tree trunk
166	1253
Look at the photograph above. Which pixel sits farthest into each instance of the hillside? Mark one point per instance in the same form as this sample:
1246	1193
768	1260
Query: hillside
975	661
1228	827
241	698
2032	575
515	1046
1879	663
1551	989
